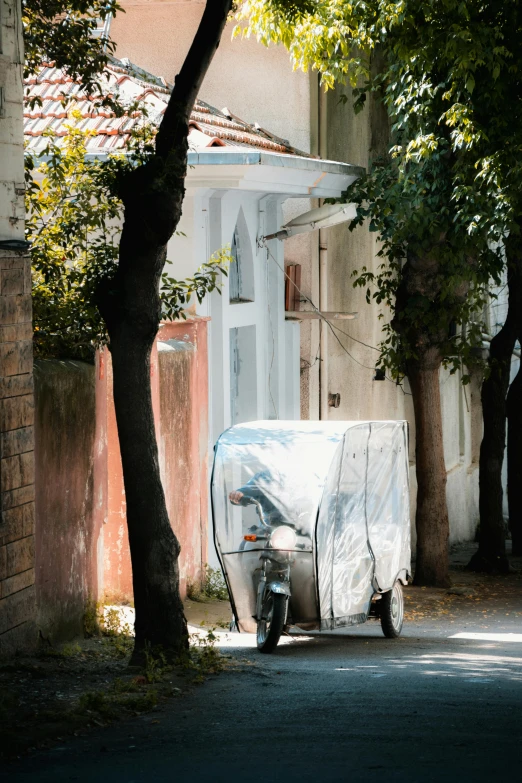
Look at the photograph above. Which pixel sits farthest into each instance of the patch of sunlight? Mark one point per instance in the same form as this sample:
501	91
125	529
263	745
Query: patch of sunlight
489	637
119	618
234	640
478	659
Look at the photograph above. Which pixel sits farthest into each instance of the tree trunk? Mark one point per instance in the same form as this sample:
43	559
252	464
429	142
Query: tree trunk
152	196
514	462
424	332
431	520
514	407
132	314
491	554
160	620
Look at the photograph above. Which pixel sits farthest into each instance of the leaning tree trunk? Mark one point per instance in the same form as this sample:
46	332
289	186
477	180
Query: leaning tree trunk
132	311
431	519
491	554
514	461
152	195
154	548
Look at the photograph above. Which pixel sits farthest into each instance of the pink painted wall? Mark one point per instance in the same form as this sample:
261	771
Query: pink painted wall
179	379
183	439
82	546
115	582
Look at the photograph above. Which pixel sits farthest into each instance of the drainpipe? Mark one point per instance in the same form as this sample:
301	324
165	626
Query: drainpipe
323	270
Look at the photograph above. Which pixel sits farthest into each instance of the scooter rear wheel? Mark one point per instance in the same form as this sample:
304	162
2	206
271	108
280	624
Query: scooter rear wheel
270	628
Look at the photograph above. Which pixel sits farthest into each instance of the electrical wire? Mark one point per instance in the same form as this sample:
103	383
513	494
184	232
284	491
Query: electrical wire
316	309
309	365
329	323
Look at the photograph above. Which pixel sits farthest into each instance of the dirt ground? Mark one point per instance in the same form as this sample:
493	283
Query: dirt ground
87	684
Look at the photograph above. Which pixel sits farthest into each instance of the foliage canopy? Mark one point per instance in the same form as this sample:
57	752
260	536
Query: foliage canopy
74	224
63	31
448	186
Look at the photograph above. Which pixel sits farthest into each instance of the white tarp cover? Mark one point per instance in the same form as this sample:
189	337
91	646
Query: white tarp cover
343	488
363	528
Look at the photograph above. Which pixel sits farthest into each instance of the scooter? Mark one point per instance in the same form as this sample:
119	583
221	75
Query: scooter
273	589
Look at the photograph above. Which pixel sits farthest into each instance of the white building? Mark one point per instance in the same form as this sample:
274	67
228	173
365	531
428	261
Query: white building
236	198
260	85
240	179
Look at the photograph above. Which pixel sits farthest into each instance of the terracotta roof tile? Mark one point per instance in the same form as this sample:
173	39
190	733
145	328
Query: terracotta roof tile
208	126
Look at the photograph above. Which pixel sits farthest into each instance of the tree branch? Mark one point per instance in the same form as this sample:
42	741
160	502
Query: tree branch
190	78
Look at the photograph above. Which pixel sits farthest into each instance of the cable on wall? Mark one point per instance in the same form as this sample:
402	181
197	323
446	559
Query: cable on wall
332	328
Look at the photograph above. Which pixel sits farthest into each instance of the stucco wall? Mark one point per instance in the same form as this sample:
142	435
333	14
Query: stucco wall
114	567
65	529
179	380
255	83
183	399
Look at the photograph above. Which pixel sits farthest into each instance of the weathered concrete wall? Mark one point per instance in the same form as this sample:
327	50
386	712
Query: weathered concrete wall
82	548
11	122
17	595
183	396
65	524
114	559
179	380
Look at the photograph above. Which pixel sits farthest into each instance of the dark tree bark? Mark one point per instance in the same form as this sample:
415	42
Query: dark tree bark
431	519
491	554
514	415
514	461
426	339
130	305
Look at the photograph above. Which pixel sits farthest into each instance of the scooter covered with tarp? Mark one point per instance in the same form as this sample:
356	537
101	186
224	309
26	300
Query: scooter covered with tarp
312	524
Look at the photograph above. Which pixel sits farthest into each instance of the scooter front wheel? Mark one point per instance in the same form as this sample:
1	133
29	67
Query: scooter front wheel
270	627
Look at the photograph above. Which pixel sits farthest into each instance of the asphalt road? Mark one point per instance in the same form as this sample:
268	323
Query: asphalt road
355	707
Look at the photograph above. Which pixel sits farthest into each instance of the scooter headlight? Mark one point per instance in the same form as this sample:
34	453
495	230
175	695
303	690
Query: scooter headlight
283	538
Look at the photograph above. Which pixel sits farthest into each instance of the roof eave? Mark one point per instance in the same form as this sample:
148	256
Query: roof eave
265	172
258	157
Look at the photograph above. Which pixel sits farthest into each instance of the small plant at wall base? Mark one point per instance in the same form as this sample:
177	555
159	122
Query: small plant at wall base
211	587
91	619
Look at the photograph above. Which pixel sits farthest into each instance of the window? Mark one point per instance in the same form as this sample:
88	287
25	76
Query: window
243	375
241	276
